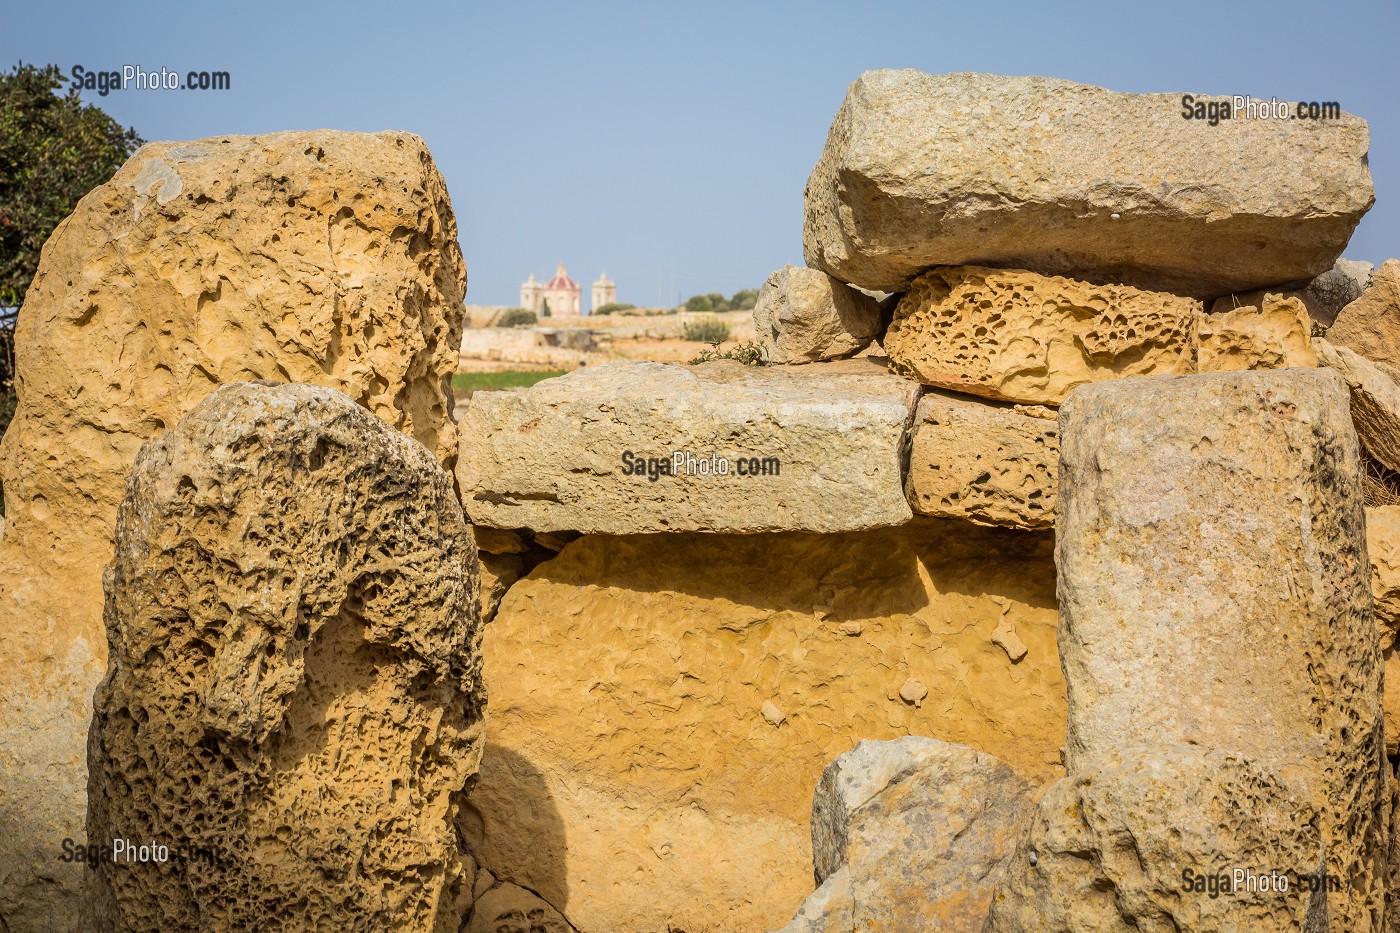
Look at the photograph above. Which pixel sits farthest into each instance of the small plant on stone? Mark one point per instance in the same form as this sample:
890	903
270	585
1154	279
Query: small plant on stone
747	353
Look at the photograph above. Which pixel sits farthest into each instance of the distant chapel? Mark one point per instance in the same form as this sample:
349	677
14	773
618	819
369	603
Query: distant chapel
562	295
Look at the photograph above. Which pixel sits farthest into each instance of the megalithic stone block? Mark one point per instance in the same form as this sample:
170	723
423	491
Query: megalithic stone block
628	448
1214	591
319	257
294	702
924	170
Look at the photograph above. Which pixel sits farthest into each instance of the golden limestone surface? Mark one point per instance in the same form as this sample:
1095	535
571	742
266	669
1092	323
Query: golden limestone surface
1019	336
983	462
1370	325
1035	173
318	257
1375	401
663	705
1024	337
295	681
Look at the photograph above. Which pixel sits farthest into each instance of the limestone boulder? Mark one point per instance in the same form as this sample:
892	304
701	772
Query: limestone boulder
829	909
1323	297
629	448
1274	335
631	778
921	828
1383	547
804	315
924	170
317	257
1151	843
1216	520
1375	401
294	683
1024	337
1370	325
985	463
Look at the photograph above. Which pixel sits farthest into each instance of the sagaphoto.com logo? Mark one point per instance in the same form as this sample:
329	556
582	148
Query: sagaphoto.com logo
137	78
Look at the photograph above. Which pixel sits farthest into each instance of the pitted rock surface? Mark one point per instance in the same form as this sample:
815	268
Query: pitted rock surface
317	257
295	675
1023	337
986	463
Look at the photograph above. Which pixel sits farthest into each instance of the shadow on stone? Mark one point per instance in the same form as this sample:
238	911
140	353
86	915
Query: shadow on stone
525	844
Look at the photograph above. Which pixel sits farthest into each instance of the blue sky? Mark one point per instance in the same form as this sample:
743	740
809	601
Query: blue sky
669	143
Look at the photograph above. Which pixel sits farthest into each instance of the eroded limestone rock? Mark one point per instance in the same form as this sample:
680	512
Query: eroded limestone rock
295	675
982	462
1383	548
1370	325
1273	335
924	170
920	829
630	778
1375	401
1323	297
804	315
1120	847
1216	521
812	448
319	257
1023	337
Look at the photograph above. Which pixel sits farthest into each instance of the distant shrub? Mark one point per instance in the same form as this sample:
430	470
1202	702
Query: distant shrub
516	317
714	302
744	300
707	330
747	353
613	306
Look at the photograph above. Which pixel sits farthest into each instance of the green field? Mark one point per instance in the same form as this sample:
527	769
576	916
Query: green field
510	379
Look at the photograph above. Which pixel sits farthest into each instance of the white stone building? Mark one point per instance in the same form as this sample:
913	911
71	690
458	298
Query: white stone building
604	292
561	294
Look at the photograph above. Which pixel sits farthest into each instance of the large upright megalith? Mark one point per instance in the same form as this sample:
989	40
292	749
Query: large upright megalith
316	257
293	704
1215	593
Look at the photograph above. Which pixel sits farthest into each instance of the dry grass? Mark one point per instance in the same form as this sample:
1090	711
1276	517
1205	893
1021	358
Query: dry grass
1380	486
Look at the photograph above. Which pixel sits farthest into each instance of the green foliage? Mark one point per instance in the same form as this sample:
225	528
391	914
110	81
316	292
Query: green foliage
744	300
517	317
1318	330
508	379
612	307
53	150
747	353
715	303
704	304
544	309
707	330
